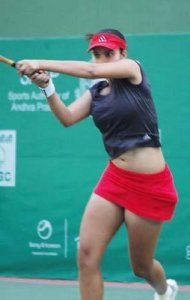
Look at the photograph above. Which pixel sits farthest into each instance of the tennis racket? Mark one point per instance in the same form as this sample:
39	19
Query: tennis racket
12	63
7	61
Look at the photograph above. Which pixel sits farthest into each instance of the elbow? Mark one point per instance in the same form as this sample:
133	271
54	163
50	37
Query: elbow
66	124
65	119
93	72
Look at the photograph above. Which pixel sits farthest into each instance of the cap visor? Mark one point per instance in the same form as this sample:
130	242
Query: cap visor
105	45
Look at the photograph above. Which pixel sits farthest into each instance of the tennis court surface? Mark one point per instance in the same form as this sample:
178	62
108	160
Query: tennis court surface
39	289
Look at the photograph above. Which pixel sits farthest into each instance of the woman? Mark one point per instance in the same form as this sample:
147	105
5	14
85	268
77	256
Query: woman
137	186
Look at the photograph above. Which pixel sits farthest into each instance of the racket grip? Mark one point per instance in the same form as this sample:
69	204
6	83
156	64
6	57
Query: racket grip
40	72
13	65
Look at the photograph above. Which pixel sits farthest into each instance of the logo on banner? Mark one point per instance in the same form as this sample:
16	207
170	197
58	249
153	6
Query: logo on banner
188	252
44	229
7	157
24	80
31	99
44	244
2	156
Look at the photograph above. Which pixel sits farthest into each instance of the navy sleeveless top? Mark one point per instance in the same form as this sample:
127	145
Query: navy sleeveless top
126	116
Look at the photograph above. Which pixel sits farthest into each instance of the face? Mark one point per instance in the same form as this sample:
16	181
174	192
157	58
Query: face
103	55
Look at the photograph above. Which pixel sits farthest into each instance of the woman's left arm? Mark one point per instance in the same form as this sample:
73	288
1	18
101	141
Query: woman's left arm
124	68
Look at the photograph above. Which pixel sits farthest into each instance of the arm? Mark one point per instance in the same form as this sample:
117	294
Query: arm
124	68
67	115
73	113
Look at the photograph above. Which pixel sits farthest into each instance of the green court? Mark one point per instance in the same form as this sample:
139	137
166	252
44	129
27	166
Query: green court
22	289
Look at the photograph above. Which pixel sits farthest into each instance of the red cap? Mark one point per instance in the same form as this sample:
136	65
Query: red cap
107	40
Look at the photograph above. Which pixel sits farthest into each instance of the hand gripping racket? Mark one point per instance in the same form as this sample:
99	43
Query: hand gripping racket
12	63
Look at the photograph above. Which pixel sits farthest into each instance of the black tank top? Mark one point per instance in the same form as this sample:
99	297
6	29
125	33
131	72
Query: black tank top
126	117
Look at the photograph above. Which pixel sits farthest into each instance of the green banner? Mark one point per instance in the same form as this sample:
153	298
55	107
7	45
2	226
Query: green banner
47	172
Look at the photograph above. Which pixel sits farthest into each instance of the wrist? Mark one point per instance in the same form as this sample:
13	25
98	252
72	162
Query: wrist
49	90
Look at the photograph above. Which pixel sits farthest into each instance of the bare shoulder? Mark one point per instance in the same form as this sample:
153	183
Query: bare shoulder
131	63
135	75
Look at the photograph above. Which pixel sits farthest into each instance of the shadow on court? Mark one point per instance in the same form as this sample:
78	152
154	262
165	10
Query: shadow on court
27	290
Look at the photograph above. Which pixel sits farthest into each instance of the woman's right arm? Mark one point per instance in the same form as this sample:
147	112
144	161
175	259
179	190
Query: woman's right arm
67	115
73	113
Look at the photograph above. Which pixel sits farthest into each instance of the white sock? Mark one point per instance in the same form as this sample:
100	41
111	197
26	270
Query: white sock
166	295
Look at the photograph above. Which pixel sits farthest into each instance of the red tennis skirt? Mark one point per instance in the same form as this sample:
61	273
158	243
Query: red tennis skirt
151	196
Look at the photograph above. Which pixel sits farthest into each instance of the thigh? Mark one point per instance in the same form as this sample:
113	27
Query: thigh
143	235
100	221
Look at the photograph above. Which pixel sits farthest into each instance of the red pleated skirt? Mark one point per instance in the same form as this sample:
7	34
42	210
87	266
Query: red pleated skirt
151	196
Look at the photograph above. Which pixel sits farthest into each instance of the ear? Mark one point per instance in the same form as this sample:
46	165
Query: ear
124	53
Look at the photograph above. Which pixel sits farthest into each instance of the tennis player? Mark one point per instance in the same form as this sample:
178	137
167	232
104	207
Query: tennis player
137	186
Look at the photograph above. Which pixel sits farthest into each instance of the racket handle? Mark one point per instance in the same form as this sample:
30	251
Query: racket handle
13	64
8	61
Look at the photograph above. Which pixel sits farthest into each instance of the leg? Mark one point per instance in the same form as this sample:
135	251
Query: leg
143	236
100	222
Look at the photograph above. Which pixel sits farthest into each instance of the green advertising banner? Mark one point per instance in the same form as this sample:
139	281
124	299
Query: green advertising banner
47	172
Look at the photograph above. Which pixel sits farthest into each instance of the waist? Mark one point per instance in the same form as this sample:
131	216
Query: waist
142	160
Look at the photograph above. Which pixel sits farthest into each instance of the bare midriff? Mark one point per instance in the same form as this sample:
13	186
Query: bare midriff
142	160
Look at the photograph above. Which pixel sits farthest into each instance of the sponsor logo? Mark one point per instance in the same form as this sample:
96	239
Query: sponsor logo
31	99
102	39
146	137
44	243
188	252
44	229
7	157
2	156
24	80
